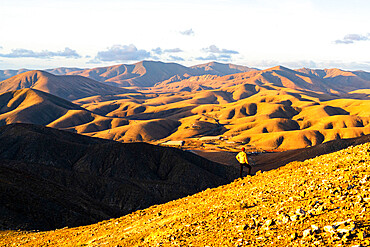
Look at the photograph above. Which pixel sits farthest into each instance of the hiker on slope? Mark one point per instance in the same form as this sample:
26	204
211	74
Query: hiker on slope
243	161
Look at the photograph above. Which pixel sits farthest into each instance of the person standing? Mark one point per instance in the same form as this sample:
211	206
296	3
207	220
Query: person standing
243	161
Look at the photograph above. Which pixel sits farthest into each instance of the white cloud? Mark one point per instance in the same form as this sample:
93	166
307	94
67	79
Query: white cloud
215	49
352	38
23	53
175	58
121	53
174	50
160	51
188	32
264	64
216	57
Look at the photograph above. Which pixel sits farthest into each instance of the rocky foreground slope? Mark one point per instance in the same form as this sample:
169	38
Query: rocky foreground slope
51	179
324	201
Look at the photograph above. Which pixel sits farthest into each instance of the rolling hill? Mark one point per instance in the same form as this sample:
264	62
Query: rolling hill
65	86
53	179
279	112
36	107
272	109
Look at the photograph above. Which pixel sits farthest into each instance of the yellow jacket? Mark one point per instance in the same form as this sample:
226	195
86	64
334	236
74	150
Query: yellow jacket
242	157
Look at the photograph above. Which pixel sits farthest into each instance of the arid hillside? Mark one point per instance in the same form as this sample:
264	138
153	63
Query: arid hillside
329	81
67	87
272	109
264	115
52	179
36	107
148	73
322	201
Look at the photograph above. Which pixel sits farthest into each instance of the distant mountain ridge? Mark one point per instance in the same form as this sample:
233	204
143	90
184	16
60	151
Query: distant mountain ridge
148	73
141	74
154	73
5	74
329	81
69	87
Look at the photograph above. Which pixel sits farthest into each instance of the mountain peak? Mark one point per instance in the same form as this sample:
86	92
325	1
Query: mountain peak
279	67
64	86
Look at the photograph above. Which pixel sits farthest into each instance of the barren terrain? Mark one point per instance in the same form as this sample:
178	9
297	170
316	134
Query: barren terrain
273	109
280	115
318	202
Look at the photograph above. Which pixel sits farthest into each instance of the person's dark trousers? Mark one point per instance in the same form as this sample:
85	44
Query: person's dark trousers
241	169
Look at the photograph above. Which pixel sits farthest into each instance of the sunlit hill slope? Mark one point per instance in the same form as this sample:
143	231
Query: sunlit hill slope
319	202
67	87
276	108
147	73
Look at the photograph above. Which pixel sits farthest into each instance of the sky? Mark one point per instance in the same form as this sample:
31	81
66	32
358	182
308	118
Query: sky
318	34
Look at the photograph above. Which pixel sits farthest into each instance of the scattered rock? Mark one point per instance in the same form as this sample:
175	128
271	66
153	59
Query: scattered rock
329	229
301	212
315	228
339	219
294	236
307	232
294	217
269	222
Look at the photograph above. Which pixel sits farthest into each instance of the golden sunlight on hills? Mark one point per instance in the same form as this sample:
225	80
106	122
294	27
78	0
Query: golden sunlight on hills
319	202
272	109
268	119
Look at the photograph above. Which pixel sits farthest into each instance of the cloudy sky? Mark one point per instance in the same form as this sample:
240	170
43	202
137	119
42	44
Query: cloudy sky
40	34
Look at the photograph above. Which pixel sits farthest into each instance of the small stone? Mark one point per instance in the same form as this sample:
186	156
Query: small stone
360	199
307	232
339	223
303	193
350	187
365	179
241	227
285	219
269	222
315	228
345	238
346	229
329	229
294	217
320	209
300	211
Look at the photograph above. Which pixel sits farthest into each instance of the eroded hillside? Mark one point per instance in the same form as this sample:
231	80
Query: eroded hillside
323	201
272	109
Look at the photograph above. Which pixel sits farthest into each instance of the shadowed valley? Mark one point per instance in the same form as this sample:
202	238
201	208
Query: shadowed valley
52	179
